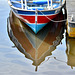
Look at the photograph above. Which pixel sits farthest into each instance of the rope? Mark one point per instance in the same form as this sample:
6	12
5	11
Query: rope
53	20
53	58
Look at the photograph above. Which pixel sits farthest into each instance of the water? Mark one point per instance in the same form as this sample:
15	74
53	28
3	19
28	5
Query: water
24	53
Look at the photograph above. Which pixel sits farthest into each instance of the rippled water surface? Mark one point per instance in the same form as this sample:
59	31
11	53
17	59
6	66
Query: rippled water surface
50	52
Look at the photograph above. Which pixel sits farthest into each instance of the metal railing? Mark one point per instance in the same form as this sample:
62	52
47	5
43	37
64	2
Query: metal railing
24	3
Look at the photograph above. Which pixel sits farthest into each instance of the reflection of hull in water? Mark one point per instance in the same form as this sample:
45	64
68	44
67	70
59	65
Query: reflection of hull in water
35	47
70	52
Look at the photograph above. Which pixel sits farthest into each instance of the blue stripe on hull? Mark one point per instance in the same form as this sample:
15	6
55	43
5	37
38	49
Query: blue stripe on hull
20	12
35	27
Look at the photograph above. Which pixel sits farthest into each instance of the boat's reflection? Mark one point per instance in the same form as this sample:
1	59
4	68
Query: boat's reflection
35	47
70	42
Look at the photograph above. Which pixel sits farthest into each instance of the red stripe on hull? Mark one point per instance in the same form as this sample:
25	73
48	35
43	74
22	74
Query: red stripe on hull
30	19
40	19
44	19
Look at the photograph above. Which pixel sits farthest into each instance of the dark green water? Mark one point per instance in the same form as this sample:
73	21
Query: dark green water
60	60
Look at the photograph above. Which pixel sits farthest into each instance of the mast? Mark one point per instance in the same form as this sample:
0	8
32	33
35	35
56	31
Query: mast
22	3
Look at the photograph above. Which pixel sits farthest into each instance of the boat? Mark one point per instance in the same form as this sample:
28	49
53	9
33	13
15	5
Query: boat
36	13
35	47
71	29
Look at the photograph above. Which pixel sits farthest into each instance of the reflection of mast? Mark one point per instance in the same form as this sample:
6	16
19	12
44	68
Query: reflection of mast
35	47
70	42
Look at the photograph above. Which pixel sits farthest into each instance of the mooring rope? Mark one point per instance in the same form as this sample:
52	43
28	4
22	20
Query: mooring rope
55	59
53	20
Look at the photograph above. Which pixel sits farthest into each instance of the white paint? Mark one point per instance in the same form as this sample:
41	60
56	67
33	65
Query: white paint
22	3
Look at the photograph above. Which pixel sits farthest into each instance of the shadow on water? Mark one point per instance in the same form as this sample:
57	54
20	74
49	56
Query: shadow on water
35	46
70	51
